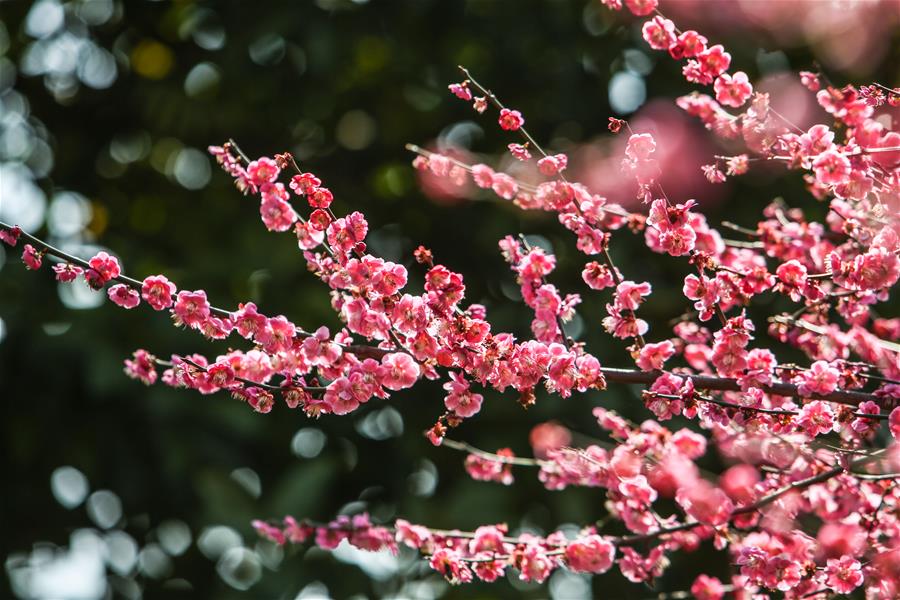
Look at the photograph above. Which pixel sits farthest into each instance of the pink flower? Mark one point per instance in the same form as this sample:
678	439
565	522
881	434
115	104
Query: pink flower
590	554
876	269
488	538
534	564
519	152
414	536
739	481
460	90
630	295
714	61
103	268
705	502
832	168
653	356
486	469
398	371
320	197
638	489
459	399
820	378
10	236
263	170
123	295
843	575
511	120
548	436
640	146
447	563
659	33
689	44
141	366
277	214
483	176
641	7
345	233
707	588
277	335
480	105
248	321
340	397
689	443
894	423
67	272
158	291
713	173
551	165
792	273
810	81
220	375
31	257
862	425
816	418
733	90
191	308
816	140
259	399
597	276
504	186
304	183
270	532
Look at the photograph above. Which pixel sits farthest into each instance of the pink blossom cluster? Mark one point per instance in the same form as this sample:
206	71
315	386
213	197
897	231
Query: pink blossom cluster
459	556
807	502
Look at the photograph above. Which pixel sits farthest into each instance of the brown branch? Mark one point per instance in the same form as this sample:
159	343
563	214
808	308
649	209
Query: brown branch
359	350
704	382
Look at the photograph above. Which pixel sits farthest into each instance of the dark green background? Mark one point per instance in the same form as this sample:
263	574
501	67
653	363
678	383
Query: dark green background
168	453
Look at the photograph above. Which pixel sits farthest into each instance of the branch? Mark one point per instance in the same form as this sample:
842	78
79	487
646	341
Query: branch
704	382
359	350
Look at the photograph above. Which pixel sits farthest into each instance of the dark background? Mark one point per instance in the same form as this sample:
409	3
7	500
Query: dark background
294	76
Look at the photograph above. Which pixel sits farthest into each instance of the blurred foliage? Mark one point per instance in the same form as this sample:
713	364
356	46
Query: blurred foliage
343	86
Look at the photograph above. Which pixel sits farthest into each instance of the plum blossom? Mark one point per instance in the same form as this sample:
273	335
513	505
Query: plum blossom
191	308
67	272
816	418
461	90
706	503
103	268
894	423
263	170
688	45
123	295
10	236
142	367
552	165
641	7
590	554
832	168
707	588
519	151
659	33
398	371
31	257
733	90
157	291
486	469
843	575
459	399
653	356
304	183
820	378
511	120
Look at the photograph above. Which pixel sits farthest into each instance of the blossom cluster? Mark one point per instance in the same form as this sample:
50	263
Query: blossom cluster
808	502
